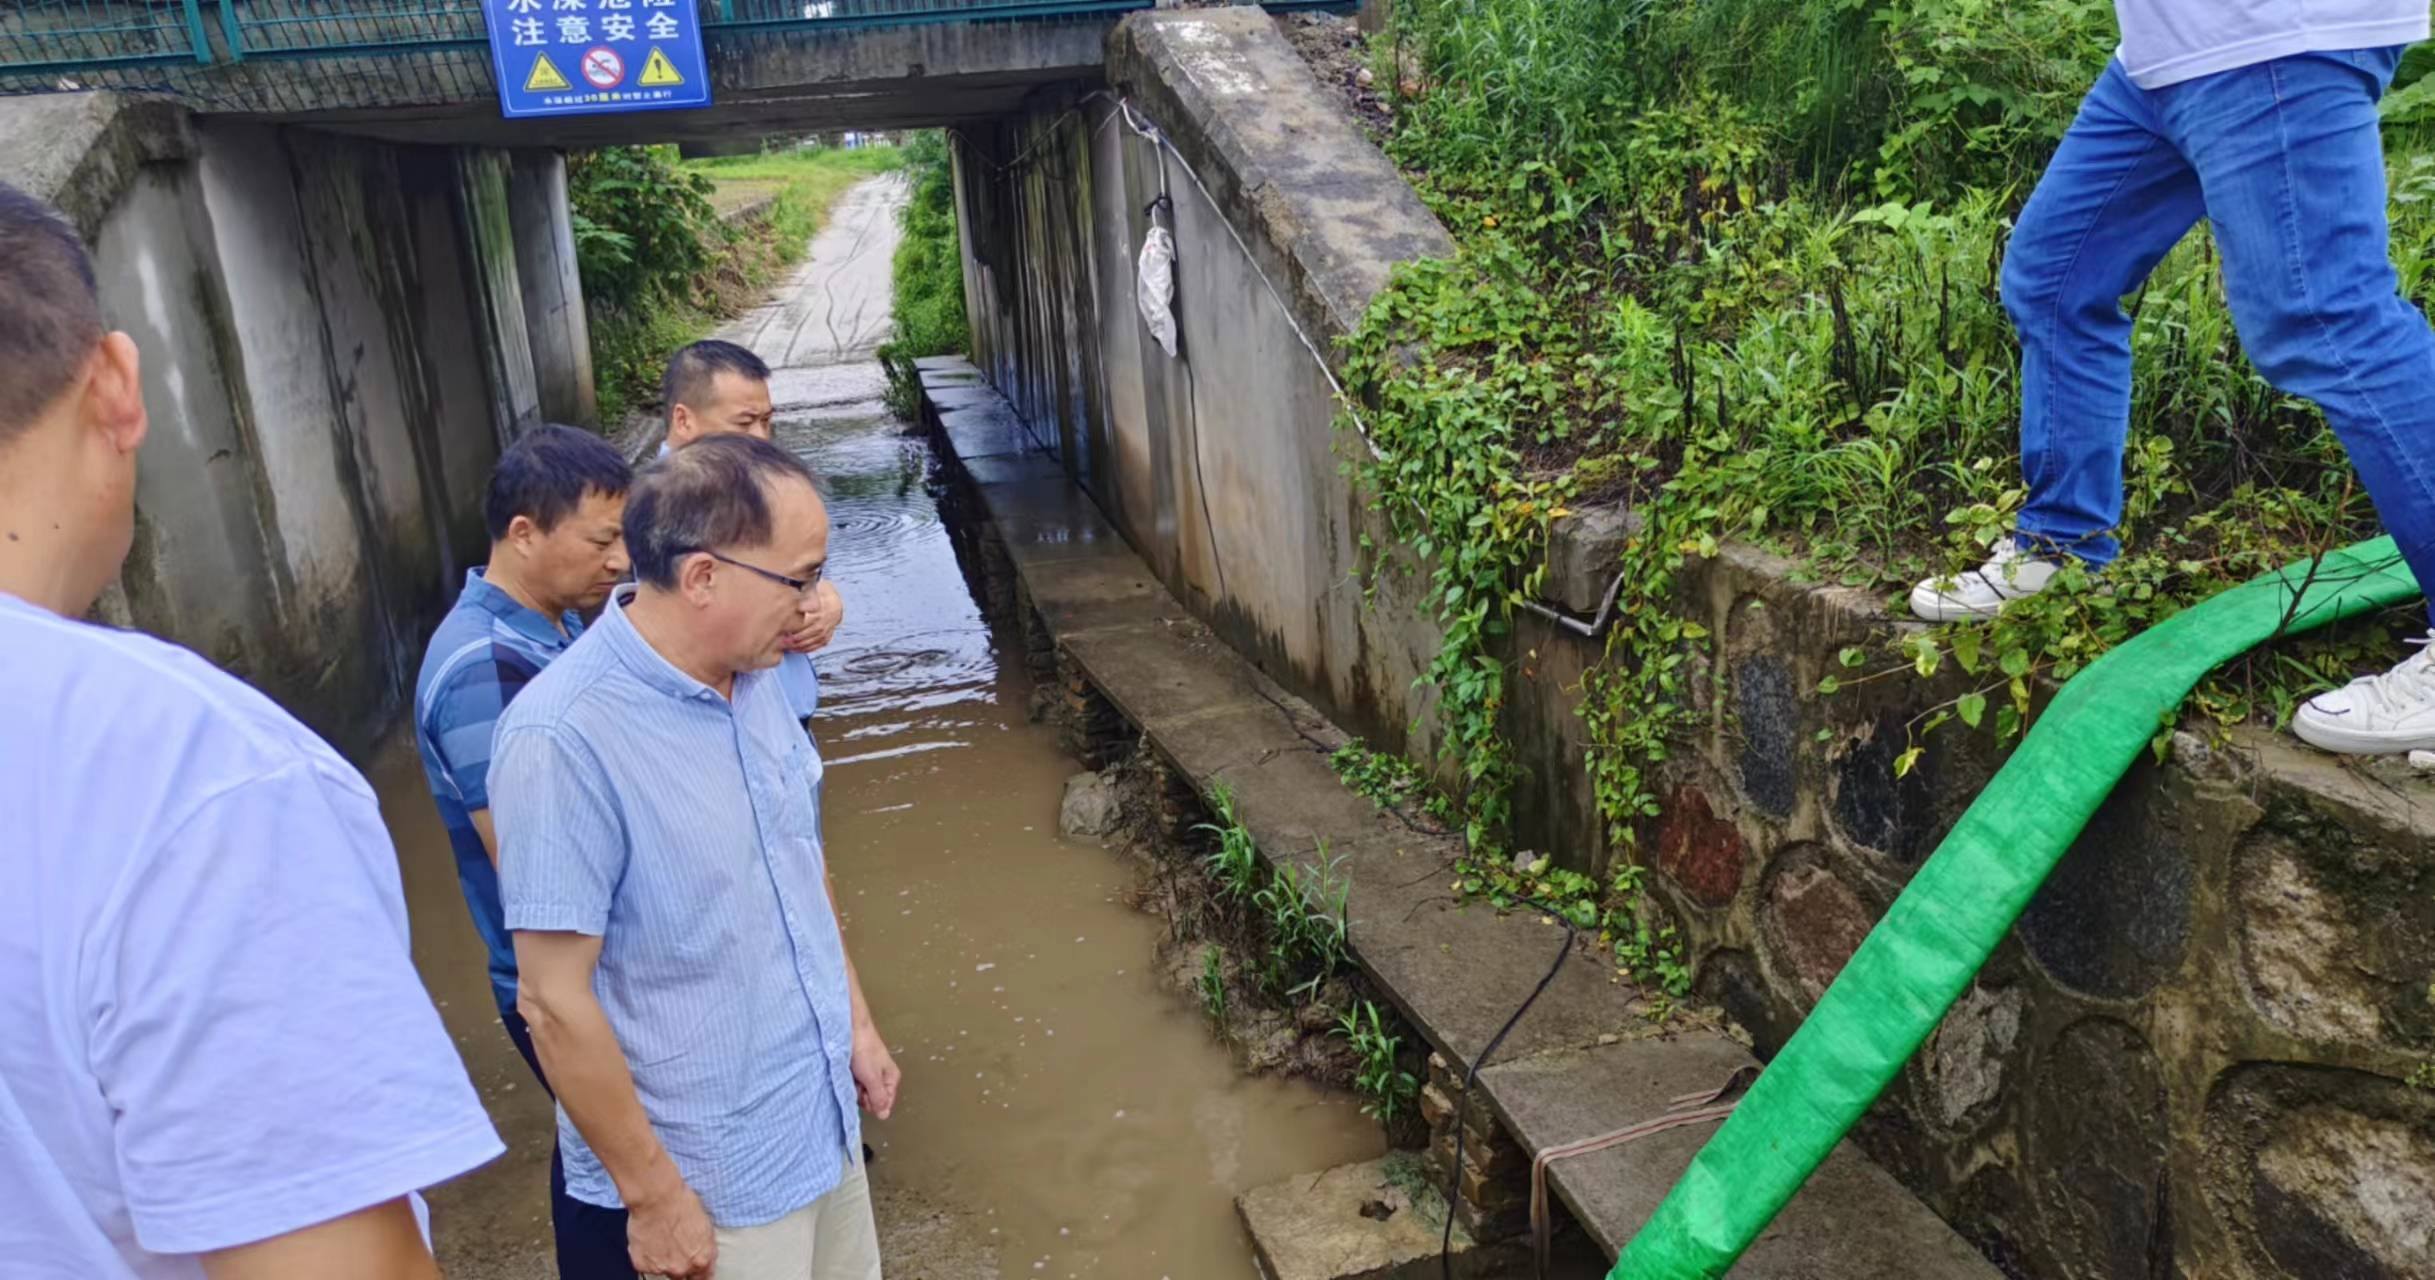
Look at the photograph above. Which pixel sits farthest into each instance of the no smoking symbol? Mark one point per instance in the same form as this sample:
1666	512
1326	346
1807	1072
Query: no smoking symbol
602	68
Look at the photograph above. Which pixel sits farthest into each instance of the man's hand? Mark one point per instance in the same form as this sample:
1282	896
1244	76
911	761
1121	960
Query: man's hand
670	1235
875	1073
821	615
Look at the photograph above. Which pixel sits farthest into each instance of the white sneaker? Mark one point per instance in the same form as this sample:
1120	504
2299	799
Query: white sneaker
2376	715
2012	573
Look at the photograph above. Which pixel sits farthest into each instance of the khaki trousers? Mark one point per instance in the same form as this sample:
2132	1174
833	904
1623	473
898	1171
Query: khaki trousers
832	1238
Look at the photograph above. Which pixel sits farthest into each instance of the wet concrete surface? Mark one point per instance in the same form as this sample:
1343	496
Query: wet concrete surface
1062	1114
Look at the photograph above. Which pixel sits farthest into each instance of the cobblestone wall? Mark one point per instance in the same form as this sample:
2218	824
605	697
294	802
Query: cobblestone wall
2191	1058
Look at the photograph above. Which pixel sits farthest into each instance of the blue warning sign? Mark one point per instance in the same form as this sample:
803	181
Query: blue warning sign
589	57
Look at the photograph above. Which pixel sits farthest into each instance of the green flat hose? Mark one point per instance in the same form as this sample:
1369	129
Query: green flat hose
1929	946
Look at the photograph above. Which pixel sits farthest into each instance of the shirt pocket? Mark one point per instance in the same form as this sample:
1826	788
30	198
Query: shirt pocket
799	778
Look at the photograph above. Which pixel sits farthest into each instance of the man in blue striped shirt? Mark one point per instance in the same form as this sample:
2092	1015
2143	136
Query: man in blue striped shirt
554	510
715	388
679	955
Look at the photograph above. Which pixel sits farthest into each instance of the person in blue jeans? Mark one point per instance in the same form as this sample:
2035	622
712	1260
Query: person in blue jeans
2259	116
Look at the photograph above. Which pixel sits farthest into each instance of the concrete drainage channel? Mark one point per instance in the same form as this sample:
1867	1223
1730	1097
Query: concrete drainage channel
1585	1062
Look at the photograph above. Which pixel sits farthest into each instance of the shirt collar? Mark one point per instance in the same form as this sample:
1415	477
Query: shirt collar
639	657
526	620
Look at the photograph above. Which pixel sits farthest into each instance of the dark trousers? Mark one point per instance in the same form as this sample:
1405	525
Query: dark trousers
591	1240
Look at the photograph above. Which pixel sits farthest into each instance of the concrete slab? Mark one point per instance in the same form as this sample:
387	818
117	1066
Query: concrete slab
1361	1222
985	430
1176	682
946	364
1014	468
949	394
1851	1222
1048	518
1075	595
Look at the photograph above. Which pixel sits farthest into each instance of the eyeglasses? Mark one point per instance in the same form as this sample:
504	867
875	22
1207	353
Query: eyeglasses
801	586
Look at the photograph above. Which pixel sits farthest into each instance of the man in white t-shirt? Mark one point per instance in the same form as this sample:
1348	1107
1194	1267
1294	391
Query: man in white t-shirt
2260	117
217	1059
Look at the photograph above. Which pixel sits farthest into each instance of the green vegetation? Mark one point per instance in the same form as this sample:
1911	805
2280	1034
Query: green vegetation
1734	262
1386	1089
1212	984
668	248
1309	926
1386	780
1234	860
929	272
1294	920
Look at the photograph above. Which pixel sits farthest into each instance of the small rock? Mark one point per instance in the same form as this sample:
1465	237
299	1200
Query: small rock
1364	78
1092	806
2423	761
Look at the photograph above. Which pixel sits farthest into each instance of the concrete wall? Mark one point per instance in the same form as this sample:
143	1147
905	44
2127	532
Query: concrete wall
336	341
1220	464
553	289
2191	1057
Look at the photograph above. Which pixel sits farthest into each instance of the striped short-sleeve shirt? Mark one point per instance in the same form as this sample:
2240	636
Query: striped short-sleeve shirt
486	650
682	828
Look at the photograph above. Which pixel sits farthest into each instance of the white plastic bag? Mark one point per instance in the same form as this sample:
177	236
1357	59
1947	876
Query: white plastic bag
1154	287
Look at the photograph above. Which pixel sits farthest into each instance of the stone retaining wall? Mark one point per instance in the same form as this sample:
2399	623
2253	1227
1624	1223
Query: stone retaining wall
2190	1057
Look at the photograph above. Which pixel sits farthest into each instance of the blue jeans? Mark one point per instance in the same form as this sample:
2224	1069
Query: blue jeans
2284	161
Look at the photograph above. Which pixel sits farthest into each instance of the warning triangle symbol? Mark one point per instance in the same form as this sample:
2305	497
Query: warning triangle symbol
658	72
545	77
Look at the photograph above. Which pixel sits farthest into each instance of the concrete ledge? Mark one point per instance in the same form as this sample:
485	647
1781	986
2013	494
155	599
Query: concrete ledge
1325	213
79	151
1357	1222
1583	1061
1559	1097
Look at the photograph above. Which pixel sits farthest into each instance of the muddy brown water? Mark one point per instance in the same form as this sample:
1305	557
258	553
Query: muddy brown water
1062	1114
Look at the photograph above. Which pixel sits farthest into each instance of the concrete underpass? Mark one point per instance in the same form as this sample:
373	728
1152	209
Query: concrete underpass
354	282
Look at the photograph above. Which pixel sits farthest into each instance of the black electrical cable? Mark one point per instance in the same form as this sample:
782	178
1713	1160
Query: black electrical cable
1454	1176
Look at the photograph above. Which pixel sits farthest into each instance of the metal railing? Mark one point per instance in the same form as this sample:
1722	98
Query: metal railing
59	35
45	36
272	28
387	52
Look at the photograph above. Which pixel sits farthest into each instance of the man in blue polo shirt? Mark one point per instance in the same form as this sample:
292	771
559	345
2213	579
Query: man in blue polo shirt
715	388
553	510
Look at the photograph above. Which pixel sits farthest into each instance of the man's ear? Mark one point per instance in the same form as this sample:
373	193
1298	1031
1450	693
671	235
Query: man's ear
681	427
697	578
114	393
522	533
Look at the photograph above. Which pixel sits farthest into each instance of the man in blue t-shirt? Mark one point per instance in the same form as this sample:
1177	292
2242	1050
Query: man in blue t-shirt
714	388
553	509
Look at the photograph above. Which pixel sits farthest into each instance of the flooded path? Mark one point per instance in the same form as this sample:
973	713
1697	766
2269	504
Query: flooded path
1062	1114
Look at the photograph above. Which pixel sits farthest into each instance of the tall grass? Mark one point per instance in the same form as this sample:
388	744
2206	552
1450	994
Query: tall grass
929	272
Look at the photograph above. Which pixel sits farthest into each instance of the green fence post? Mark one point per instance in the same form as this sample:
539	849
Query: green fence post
194	31
230	28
